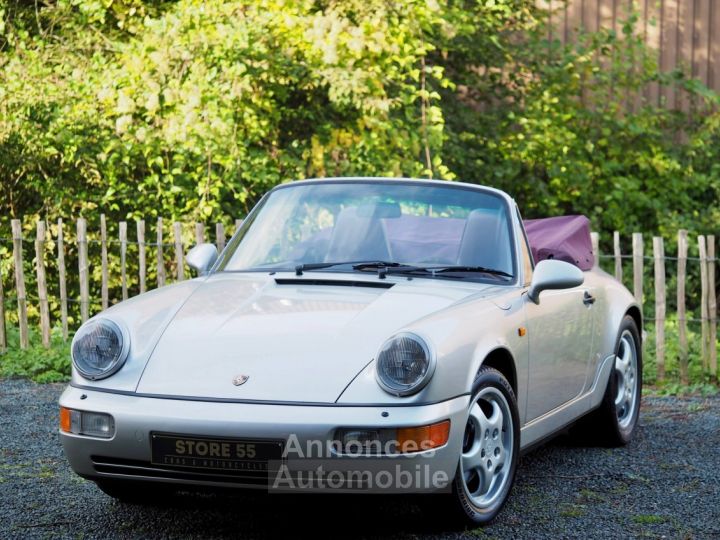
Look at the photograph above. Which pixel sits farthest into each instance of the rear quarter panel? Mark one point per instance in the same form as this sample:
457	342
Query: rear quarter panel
613	302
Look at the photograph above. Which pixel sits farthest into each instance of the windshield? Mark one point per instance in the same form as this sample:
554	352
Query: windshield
336	225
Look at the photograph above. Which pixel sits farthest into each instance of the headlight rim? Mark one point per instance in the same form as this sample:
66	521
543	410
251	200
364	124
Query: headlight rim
124	348
429	353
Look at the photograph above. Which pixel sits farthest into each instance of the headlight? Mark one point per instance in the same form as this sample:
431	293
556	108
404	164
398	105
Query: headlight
404	364
99	349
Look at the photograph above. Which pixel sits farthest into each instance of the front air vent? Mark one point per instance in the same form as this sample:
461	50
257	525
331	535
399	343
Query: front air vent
130	468
334	283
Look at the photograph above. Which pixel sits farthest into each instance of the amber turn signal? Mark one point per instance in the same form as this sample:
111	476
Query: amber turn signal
65	419
417	439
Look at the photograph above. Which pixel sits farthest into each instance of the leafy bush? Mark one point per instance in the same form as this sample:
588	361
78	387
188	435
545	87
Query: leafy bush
196	108
202	108
37	363
672	358
572	140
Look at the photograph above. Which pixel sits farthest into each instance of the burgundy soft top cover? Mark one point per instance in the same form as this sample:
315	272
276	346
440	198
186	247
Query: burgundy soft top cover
565	238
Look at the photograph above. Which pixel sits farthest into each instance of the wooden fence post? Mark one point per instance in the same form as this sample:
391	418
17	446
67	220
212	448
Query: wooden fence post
83	269
595	240
659	254
704	301
104	263
3	338
199	233
141	253
123	258
179	257
61	278
712	307
638	267
219	236
42	284
682	323
20	283
618	256
160	260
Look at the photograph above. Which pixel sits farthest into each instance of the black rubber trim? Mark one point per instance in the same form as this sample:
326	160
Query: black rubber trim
260	401
335	283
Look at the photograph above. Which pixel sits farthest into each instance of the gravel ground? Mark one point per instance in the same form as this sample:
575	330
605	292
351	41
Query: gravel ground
663	485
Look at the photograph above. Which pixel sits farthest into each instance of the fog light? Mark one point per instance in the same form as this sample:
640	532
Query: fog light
90	424
361	441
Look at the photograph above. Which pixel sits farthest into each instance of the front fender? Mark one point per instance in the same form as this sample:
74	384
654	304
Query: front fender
462	336
146	317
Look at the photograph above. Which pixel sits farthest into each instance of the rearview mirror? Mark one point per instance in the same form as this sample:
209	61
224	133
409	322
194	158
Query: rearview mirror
551	274
202	257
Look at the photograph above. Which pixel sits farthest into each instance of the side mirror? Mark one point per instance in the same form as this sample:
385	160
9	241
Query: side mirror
551	274
202	257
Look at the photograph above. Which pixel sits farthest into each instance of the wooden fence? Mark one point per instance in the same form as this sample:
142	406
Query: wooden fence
165	270
62	273
706	247
681	33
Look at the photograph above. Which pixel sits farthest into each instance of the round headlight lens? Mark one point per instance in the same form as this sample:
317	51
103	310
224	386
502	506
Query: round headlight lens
404	364
99	349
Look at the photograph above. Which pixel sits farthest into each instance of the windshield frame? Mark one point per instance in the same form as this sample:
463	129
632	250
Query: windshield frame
505	199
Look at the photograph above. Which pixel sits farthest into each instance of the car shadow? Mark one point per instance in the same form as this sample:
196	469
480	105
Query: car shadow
254	514
261	514
251	514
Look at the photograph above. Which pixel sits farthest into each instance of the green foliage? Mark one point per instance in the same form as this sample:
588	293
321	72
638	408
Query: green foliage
143	108
700	382
573	140
649	519
211	103
37	363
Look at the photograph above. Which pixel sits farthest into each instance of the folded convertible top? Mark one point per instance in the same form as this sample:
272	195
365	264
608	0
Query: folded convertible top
565	238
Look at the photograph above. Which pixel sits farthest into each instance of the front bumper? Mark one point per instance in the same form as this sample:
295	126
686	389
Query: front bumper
127	455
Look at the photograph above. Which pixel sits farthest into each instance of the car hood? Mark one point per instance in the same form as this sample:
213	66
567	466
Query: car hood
300	339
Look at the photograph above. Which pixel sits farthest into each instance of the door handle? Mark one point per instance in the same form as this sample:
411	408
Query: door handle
588	299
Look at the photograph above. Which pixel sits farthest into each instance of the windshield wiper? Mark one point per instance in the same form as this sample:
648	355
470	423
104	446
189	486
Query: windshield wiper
482	269
391	267
398	268
357	265
384	267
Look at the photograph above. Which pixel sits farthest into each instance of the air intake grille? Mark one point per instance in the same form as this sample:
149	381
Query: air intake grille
136	468
335	283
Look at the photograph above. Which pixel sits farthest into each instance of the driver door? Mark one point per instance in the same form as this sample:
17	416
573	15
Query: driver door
560	333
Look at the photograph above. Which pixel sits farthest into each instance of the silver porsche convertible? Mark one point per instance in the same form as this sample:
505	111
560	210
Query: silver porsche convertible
358	335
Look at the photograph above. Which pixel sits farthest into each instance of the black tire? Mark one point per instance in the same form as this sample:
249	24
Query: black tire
605	423
143	493
463	509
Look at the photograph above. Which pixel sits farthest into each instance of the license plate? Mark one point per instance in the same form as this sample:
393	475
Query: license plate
214	453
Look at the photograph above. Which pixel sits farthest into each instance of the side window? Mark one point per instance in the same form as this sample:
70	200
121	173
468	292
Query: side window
526	253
